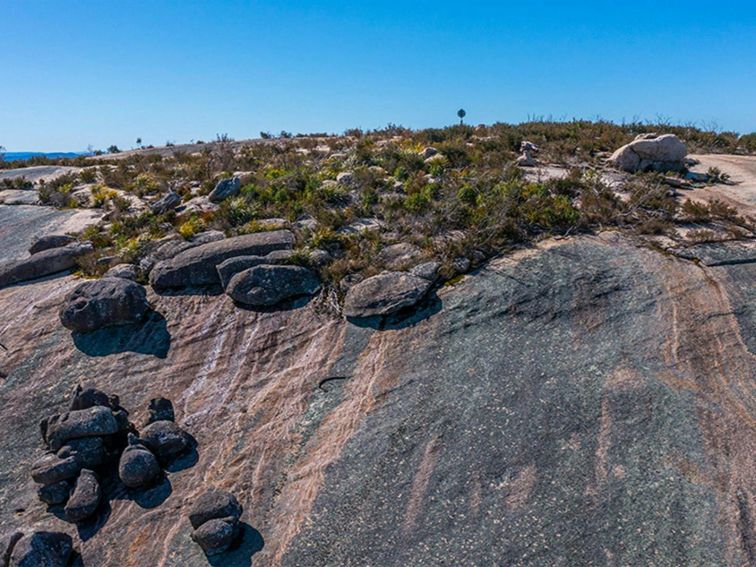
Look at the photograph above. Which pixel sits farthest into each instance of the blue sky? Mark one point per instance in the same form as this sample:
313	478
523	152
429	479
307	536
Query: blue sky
77	73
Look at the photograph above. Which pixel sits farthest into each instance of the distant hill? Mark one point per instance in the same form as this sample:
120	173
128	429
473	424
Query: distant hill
23	156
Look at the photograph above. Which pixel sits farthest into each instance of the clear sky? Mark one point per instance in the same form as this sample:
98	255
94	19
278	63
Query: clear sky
77	72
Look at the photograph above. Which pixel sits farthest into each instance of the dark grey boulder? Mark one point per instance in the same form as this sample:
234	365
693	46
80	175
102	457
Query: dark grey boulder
50	469
42	549
54	494
165	439
399	256
85	398
137	467
217	535
89	452
102	303
93	422
161	409
7	543
224	189
267	285
85	498
385	294
229	268
43	263
166	203
125	271
214	504
50	241
197	266
207	237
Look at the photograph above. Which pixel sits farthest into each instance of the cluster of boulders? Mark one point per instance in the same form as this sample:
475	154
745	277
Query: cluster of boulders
253	269
36	549
85	442
49	255
527	154
215	521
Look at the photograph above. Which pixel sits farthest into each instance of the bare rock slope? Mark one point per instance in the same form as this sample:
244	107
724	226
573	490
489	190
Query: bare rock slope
589	402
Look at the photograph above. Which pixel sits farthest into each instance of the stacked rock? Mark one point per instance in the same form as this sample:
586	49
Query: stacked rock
94	435
215	521
79	441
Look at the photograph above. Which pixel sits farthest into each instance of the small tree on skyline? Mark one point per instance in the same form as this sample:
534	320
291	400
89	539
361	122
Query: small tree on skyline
461	113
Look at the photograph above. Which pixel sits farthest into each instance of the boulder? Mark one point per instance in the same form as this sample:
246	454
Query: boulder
54	494
384	294
125	271
197	266
137	467
267	285
649	152
428	152
346	178
93	422
214	504
43	263
89	452
85	398
207	237
161	409
427	270
50	469
165	439
229	268
85	498
42	549
50	241
166	203
217	535
224	189
102	303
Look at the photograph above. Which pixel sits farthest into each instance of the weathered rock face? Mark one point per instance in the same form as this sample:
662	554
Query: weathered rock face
224	189
266	284
385	294
42	264
102	303
649	152
587	402
197	266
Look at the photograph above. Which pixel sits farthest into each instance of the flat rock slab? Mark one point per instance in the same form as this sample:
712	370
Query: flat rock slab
719	253
43	263
196	267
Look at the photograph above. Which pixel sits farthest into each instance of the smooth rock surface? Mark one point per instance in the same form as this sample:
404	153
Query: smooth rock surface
50	241
649	152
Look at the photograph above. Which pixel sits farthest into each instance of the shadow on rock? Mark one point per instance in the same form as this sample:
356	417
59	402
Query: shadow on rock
288	305
153	496
240	555
404	318
210	291
88	528
150	336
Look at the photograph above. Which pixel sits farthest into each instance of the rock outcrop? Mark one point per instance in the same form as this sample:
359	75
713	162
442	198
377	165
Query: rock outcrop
224	189
196	266
168	202
651	152
102	303
44	263
50	241
267	285
385	294
232	266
